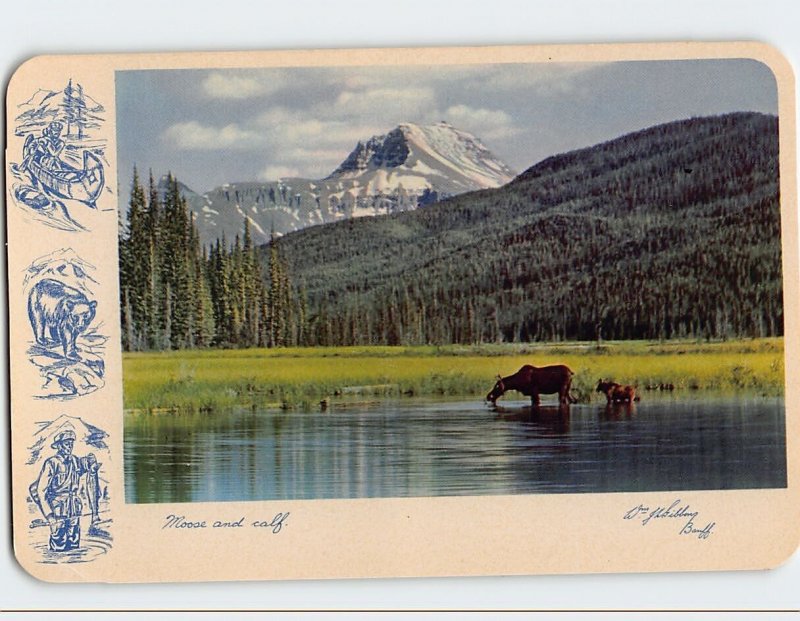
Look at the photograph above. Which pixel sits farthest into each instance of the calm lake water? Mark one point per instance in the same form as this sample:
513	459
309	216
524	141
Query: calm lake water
414	447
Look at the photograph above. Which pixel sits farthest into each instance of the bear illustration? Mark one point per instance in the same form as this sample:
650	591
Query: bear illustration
58	314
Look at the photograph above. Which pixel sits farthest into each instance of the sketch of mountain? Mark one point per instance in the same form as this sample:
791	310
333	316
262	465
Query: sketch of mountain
63	265
86	433
79	111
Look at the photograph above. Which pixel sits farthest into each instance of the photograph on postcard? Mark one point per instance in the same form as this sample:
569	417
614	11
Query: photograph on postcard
428	280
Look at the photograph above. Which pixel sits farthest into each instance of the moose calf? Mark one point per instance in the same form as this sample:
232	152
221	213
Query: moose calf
617	393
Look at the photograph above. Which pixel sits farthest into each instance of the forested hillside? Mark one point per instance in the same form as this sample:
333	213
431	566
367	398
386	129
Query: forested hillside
670	232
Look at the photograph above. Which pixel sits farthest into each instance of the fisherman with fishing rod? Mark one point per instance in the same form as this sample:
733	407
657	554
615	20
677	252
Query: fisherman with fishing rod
57	492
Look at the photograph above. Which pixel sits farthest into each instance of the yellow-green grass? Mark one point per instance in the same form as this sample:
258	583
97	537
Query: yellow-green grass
301	377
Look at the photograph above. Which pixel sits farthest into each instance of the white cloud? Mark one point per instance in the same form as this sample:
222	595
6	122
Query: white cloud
403	104
542	78
318	133
192	136
303	154
478	116
273	173
538	78
346	134
276	115
484	123
401	77
358	81
307	127
312	162
241	86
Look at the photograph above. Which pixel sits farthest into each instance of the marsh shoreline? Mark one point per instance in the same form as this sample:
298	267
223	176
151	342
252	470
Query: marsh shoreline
305	378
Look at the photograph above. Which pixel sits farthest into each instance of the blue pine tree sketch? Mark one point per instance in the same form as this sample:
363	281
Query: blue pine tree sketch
69	501
67	345
61	172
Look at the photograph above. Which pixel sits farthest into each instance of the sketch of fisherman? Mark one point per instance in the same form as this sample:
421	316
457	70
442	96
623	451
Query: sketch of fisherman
57	492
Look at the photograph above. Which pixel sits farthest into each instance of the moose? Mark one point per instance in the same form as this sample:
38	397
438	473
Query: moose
534	381
617	393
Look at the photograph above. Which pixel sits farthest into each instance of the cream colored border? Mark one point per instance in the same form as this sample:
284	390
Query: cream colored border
383	537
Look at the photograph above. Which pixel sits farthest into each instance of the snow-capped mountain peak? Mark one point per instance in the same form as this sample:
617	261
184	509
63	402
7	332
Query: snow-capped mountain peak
410	166
437	156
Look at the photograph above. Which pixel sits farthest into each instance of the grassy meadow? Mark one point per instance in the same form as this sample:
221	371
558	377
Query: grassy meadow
299	378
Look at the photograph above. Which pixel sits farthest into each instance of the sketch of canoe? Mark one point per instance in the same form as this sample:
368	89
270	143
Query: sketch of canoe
67	181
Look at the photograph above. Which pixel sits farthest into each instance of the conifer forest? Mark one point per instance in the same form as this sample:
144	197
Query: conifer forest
671	232
176	294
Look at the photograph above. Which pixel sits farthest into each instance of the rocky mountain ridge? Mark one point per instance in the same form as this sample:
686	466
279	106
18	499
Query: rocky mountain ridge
409	167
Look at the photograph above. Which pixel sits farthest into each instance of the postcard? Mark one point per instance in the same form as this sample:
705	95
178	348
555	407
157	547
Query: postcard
403	312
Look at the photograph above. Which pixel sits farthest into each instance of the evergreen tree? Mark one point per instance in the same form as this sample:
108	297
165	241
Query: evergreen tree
276	296
133	268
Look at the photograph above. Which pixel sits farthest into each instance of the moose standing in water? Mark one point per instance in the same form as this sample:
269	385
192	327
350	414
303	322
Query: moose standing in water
534	381
617	393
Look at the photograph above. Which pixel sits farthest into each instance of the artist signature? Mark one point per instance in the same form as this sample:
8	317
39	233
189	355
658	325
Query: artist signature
678	510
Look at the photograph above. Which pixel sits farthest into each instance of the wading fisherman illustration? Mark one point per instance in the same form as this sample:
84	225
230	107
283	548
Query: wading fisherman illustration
57	492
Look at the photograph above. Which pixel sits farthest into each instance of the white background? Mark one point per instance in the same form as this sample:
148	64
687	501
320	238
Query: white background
34	28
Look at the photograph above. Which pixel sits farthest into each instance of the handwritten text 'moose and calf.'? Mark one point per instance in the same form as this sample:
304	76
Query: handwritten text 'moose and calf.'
182	522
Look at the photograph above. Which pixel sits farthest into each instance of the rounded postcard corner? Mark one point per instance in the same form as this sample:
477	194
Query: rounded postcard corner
26	67
786	553
30	566
773	58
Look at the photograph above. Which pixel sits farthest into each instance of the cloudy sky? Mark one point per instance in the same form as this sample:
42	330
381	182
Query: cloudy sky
209	127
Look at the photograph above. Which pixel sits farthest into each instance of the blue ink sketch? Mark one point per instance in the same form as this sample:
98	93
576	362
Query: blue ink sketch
67	346
61	172
58	314
69	500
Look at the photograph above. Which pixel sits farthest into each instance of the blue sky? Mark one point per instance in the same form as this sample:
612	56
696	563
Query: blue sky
209	127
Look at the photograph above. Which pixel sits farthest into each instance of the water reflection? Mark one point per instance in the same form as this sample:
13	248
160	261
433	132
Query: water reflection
424	448
548	420
618	411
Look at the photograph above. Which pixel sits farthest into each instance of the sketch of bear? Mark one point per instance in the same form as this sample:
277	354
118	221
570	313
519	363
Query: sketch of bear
59	314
